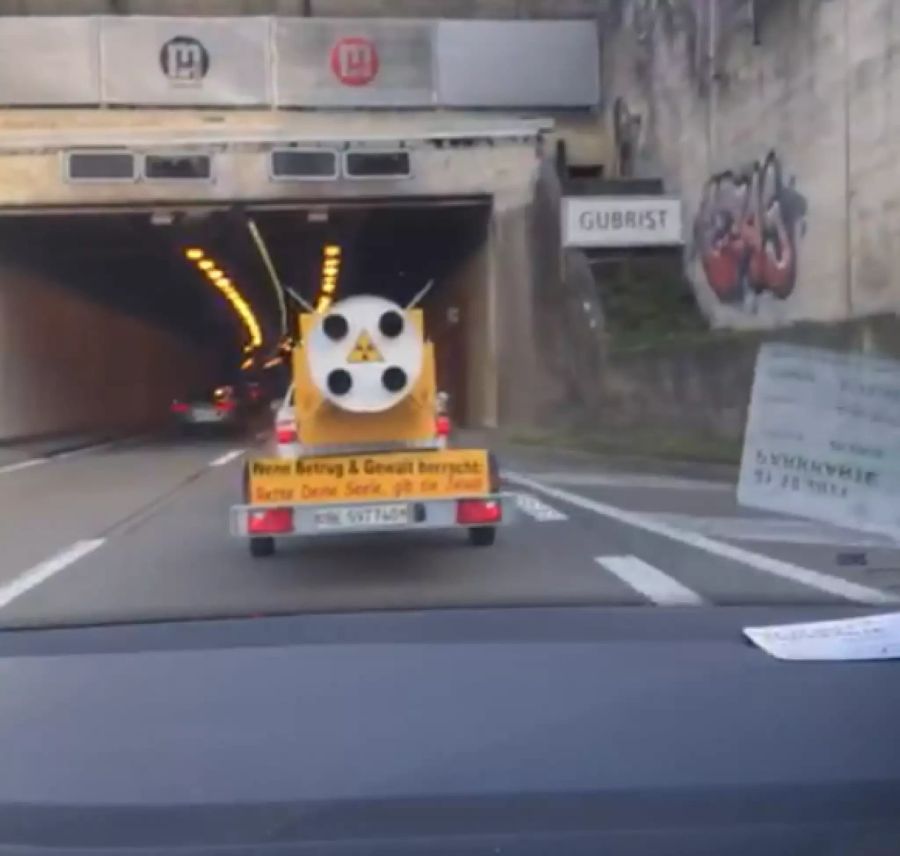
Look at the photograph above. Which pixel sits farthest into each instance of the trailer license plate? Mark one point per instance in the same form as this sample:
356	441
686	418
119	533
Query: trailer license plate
361	517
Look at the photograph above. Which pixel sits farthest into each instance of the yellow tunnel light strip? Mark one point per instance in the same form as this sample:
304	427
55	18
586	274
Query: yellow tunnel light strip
194	253
331	251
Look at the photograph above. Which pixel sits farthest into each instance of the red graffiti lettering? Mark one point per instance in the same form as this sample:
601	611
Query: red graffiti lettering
746	232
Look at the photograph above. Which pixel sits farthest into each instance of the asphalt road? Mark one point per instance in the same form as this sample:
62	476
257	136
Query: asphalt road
139	531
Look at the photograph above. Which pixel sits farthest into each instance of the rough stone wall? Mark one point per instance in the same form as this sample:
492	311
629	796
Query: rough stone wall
783	143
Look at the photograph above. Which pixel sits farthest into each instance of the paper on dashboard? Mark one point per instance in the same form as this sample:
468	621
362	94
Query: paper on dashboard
871	637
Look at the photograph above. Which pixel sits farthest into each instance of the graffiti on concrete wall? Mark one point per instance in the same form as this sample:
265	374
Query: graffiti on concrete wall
747	230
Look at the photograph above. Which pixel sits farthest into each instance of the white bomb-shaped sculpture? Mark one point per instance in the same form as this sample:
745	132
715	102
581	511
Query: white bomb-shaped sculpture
364	354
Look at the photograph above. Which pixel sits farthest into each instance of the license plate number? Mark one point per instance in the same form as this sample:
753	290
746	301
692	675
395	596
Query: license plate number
205	414
370	515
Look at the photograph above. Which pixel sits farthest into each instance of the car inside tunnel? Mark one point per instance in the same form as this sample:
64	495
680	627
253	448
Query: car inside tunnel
217	291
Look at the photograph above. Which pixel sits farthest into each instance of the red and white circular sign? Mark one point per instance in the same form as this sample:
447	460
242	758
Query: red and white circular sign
354	60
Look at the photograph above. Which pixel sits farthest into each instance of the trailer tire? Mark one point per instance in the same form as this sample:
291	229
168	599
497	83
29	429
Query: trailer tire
261	548
482	536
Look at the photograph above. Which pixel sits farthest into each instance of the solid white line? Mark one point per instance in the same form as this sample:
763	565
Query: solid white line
629	480
23	465
786	570
227	458
651	582
46	569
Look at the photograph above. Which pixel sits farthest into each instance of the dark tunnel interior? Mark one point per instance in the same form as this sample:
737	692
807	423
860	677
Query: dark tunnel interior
135	261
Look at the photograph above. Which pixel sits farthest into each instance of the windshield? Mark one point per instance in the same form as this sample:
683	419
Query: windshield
621	333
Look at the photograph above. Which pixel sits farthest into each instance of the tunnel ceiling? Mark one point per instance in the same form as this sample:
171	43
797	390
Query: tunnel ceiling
123	260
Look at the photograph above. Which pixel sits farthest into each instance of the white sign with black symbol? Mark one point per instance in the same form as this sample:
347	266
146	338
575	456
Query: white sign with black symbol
621	221
823	438
185	60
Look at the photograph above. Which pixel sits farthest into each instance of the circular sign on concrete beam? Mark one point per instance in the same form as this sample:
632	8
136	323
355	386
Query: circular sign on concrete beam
354	60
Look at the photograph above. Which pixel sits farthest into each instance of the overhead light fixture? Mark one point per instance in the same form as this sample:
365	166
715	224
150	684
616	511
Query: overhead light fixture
232	295
328	286
332	251
248	363
324	303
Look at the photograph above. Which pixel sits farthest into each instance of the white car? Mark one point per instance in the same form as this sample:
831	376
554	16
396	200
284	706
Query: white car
287	444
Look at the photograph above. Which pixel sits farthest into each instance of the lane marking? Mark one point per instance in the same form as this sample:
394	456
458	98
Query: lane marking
630	480
23	465
776	567
227	458
651	582
776	530
44	570
537	509
62	456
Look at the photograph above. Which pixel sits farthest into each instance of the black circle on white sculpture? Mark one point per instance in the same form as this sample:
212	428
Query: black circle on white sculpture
366	353
391	324
394	379
335	326
339	382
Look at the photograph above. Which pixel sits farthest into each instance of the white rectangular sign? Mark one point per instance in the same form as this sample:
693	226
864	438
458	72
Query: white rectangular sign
518	63
49	61
185	60
823	438
353	62
622	221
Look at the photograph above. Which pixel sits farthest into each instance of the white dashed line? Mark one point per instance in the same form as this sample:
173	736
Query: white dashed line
227	458
785	570
23	465
651	582
44	570
537	509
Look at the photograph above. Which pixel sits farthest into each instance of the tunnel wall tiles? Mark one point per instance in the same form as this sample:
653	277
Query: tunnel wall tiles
70	365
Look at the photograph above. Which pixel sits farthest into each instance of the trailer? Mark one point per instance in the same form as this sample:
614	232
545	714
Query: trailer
370	453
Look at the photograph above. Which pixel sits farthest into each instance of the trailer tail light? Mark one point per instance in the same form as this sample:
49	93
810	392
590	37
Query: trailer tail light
285	432
442	426
270	521
178	407
478	512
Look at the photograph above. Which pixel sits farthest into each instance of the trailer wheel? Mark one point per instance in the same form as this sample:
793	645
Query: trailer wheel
261	548
482	536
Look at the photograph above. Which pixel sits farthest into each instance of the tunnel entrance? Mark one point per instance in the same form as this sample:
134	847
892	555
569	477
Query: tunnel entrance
111	312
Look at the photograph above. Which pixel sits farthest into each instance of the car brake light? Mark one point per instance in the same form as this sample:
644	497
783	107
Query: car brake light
286	432
178	407
270	521
442	426
225	406
474	512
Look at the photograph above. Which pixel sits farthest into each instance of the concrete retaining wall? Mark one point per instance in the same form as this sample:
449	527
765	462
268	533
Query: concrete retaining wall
71	366
790	134
700	390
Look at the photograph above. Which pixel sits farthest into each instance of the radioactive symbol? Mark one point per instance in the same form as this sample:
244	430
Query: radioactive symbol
365	351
